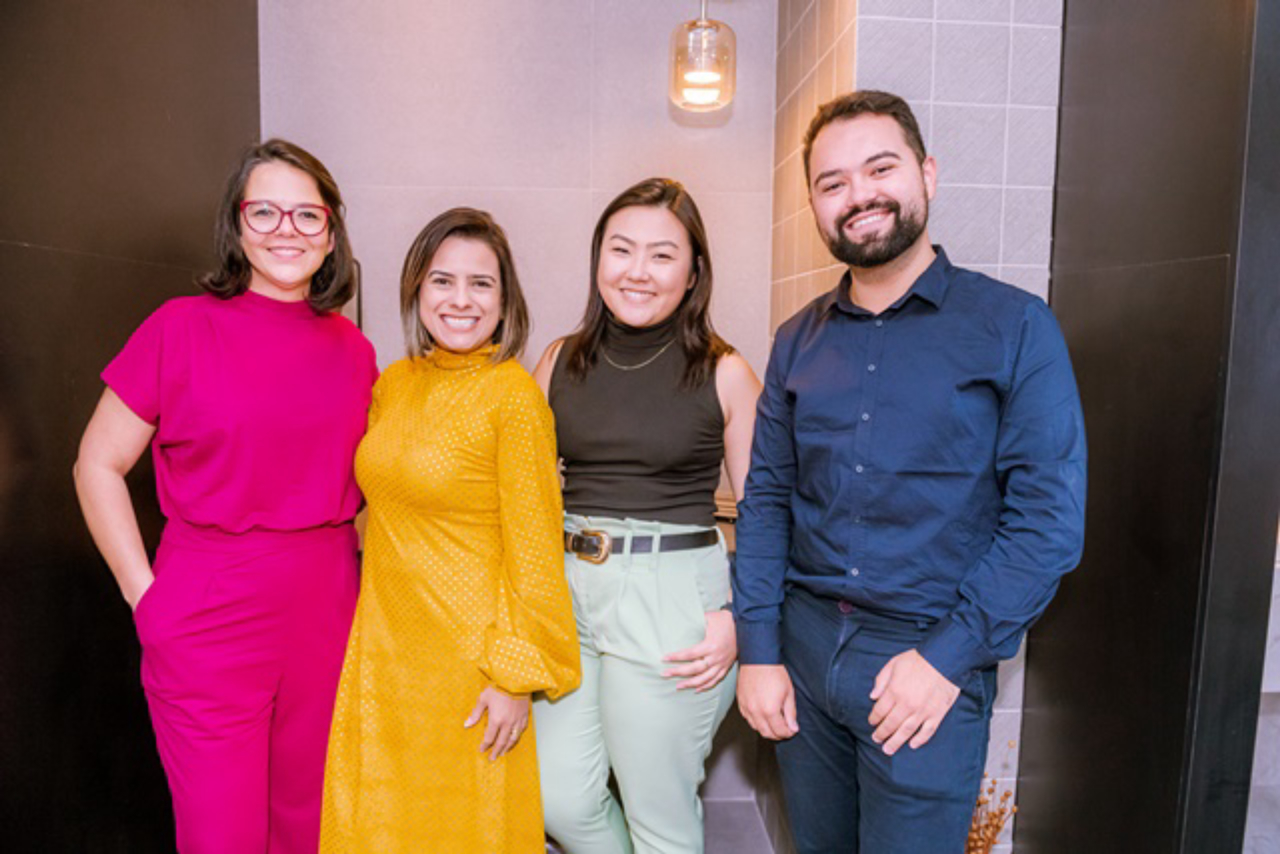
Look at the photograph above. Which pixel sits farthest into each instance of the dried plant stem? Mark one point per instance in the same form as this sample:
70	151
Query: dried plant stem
989	818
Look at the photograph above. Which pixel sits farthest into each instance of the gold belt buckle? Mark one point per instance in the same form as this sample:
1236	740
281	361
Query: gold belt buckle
605	550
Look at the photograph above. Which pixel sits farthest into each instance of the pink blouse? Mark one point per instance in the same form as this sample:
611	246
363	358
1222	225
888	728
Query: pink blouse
258	407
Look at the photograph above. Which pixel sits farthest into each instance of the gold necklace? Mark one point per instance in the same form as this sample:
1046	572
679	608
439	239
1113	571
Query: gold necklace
648	361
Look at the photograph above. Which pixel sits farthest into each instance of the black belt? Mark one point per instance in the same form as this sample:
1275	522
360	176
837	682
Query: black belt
595	546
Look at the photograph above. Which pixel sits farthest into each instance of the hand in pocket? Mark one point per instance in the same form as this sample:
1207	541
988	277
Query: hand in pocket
704	664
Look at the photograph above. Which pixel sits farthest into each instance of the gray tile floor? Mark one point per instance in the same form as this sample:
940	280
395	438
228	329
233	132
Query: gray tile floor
1262	831
1262	827
735	827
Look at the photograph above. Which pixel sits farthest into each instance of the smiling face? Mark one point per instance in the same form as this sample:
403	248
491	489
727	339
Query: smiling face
460	299
284	261
646	265
870	196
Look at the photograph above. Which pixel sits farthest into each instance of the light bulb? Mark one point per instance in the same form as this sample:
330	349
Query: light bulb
702	77
700	97
703	60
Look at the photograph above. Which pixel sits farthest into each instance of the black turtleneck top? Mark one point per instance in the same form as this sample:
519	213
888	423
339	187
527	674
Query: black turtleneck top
634	443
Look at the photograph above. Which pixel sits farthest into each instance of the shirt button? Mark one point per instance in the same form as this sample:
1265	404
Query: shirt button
879	323
866	416
854	572
858	468
857	520
871	368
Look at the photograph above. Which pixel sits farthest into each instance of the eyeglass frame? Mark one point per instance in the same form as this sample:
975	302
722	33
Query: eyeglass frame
286	213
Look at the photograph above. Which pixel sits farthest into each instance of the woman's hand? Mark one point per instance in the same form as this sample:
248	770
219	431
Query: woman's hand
508	719
709	661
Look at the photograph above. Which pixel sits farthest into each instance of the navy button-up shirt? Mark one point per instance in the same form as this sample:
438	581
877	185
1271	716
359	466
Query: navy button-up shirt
927	462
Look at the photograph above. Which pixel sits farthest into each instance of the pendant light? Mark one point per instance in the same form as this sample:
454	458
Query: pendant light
703	60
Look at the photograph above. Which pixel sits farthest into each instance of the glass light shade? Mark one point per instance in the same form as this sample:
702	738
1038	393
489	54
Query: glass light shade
703	65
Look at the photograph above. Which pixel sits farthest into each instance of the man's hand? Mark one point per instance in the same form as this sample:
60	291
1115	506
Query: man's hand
767	700
911	700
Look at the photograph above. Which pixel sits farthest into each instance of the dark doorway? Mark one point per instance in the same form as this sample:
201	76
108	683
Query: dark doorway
121	120
1143	677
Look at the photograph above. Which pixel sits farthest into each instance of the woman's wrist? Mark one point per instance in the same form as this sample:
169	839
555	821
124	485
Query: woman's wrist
511	695
136	589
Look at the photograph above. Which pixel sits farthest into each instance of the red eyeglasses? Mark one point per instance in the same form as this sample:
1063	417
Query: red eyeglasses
265	217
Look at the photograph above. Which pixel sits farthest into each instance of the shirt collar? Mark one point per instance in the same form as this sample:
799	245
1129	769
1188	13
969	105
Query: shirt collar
931	287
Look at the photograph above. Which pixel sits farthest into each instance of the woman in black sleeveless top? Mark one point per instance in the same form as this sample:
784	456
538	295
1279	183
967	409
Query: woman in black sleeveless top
649	402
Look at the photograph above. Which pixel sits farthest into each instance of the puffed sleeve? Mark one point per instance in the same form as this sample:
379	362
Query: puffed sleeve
533	643
137	372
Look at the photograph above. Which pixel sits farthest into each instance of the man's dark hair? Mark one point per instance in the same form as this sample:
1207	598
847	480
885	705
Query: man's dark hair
862	103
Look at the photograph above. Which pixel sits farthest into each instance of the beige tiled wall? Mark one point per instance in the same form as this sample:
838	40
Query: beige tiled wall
982	77
538	112
816	40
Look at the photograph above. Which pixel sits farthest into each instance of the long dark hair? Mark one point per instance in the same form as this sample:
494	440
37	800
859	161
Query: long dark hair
333	285
698	339
513	326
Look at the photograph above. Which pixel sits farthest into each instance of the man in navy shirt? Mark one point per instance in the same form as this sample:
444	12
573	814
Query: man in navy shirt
916	492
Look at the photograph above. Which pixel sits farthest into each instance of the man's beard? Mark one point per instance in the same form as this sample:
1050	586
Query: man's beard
875	251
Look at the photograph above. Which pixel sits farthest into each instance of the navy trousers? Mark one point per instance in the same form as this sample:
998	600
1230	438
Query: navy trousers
844	795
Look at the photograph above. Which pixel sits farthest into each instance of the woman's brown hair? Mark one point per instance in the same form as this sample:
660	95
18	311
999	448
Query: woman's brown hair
333	285
513	326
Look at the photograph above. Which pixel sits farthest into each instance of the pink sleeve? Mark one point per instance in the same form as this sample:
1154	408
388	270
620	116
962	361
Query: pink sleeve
134	374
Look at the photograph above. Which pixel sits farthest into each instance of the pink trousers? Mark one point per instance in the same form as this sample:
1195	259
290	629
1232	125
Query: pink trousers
243	639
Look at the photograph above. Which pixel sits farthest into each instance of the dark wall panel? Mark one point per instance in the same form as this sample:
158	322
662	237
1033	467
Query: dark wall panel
114	115
1150	132
1109	665
121	121
1241	538
1143	677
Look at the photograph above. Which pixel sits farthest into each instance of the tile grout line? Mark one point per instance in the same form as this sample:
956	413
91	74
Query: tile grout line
933	68
1004	173
795	90
960	21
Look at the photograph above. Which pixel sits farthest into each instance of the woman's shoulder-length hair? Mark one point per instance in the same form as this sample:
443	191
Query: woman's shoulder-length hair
698	339
334	284
512	332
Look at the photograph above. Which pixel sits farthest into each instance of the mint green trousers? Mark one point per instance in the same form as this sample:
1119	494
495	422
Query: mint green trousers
631	611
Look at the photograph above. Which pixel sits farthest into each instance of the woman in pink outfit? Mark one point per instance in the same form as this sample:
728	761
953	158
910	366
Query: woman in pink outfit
253	398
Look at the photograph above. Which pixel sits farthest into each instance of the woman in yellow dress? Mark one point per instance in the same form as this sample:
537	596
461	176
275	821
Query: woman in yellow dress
464	610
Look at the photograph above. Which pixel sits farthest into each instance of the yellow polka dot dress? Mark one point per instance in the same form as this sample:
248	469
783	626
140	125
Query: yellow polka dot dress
462	587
